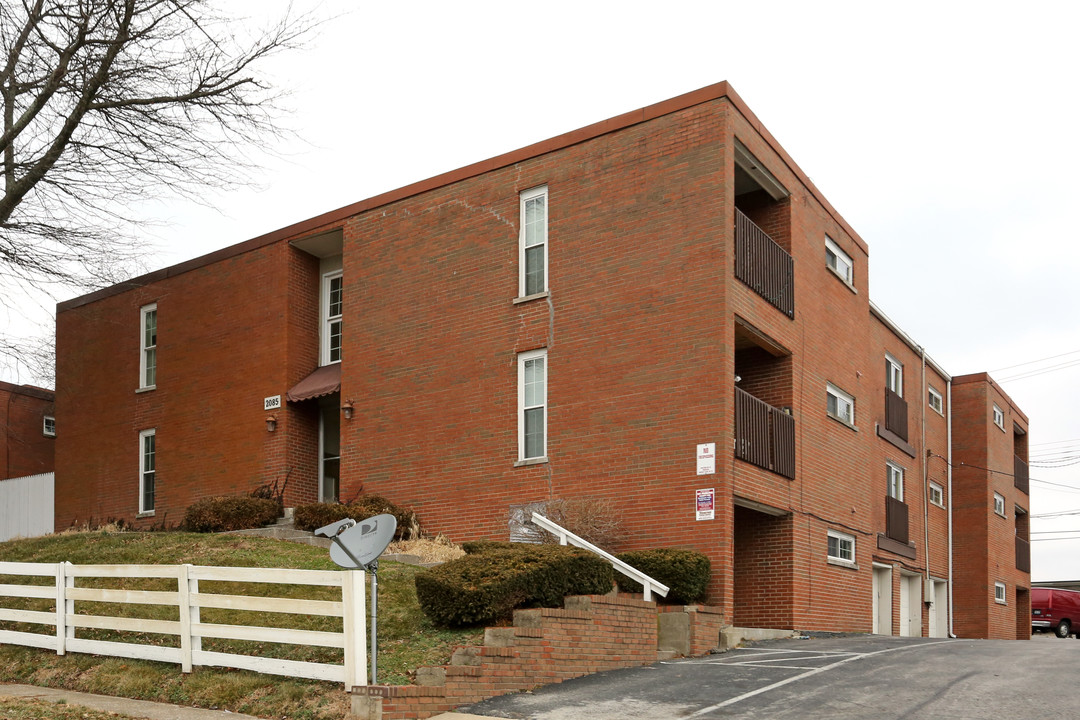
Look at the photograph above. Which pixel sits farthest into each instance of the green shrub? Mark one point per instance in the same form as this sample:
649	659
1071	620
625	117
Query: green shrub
314	516
230	512
484	587
479	547
685	572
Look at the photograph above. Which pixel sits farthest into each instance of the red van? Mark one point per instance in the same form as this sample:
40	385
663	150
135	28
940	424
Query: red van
1057	610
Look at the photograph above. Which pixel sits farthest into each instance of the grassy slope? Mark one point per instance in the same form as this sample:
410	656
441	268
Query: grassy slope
406	638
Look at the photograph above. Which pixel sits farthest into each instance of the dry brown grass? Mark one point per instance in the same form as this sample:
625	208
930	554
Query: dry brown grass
429	550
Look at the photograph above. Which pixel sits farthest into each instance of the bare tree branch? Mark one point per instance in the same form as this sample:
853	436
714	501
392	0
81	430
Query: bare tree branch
106	103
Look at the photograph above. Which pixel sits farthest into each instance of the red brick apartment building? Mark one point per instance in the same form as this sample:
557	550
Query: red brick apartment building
572	319
29	430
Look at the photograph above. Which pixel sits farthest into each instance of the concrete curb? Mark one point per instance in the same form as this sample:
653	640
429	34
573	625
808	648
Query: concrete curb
124	706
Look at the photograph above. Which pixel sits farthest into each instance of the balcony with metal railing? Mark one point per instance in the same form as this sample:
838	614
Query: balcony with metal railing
764	265
764	435
1021	478
1023	555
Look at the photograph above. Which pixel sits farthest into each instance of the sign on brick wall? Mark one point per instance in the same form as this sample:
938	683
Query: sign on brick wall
706	504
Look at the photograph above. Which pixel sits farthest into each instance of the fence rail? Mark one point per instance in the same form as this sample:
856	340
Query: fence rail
188	600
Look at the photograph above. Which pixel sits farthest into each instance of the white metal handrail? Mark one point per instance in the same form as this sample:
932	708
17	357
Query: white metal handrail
567	537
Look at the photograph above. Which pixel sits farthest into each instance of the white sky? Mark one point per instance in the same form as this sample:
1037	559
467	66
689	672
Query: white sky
945	133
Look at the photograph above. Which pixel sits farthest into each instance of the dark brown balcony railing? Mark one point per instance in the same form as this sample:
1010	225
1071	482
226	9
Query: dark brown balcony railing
896	519
1020	475
763	265
1023	555
896	414
764	435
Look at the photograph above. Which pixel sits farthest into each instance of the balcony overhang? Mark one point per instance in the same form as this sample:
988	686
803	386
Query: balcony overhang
745	161
324	381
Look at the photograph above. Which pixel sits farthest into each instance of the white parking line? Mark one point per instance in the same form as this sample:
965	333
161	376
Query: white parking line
815	671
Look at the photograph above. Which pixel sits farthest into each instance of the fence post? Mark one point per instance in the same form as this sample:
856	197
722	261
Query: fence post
61	609
69	605
354	626
182	580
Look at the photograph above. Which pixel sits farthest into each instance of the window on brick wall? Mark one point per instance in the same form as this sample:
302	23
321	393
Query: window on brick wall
148	346
533	242
147	470
841	548
839	261
999	417
840	405
532	405
935	401
999	504
999	593
48	426
894	375
894	477
937	494
332	305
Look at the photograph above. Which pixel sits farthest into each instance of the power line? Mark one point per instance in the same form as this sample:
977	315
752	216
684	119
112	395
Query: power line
1041	371
1032	362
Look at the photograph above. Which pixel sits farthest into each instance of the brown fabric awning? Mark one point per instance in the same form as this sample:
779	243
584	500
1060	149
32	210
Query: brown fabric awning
323	381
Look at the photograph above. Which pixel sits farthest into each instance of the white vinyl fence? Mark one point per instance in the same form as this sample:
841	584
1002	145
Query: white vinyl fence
188	600
26	506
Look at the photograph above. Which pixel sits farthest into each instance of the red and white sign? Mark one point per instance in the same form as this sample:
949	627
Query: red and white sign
706	504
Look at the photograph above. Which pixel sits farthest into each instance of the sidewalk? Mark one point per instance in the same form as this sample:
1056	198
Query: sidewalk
107	703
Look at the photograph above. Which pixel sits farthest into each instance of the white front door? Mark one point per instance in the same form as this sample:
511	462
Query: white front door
910	605
939	612
882	600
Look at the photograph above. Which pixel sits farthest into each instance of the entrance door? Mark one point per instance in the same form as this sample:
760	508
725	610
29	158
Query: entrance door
910	605
329	448
882	600
938	622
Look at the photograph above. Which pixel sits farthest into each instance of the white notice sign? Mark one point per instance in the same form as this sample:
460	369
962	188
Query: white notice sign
272	403
706	459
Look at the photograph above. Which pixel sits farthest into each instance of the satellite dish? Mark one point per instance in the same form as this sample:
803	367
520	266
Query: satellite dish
356	547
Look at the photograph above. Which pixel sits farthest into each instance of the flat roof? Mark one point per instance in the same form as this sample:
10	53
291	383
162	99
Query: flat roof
589	132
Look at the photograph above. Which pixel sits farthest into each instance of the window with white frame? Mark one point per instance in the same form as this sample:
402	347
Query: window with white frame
937	494
999	417
841	548
935	401
839	261
48	426
332	308
894	475
147	470
533	242
840	405
532	405
148	346
999	504
999	593
894	375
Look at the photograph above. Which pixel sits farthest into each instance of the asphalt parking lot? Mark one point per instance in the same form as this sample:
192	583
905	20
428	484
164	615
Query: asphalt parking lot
840	678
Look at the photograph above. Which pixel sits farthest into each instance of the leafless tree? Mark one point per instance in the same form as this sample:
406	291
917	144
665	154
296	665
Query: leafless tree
108	103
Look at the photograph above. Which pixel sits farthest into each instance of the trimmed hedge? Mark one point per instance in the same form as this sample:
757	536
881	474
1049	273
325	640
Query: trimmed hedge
488	586
479	547
231	512
685	572
314	516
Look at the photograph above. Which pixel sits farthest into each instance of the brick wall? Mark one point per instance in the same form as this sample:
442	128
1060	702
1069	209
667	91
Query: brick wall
592	634
24	448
